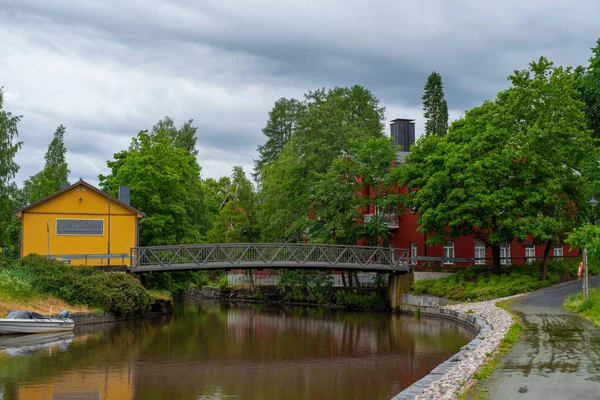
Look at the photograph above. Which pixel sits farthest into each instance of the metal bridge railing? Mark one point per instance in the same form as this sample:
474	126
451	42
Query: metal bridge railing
261	255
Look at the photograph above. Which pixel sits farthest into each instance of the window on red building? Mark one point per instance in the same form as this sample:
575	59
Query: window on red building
479	253
505	253
529	253
448	252
413	253
557	251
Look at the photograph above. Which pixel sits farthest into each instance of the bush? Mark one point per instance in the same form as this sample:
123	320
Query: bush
354	300
115	292
13	287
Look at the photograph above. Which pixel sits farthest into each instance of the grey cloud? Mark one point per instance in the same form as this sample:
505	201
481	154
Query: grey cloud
109	69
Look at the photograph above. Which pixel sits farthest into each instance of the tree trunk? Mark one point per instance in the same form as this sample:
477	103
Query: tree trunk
350	280
544	265
251	274
344	280
357	283
496	258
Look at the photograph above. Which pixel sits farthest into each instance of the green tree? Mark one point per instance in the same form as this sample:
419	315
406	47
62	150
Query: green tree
215	192
589	87
508	168
54	173
165	184
553	147
325	131
282	123
182	138
9	146
435	106
375	171
237	221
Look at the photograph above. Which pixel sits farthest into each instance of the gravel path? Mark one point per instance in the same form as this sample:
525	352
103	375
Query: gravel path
455	379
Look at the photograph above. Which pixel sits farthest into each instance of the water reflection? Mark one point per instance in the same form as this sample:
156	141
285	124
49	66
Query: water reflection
240	351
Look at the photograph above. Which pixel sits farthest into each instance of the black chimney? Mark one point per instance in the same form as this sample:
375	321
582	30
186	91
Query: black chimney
403	132
125	194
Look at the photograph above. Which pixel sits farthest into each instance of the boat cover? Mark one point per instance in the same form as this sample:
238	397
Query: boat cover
12	314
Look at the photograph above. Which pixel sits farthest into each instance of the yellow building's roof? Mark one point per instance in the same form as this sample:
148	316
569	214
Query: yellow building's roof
19	212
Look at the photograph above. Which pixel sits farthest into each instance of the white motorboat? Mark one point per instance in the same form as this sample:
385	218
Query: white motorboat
32	322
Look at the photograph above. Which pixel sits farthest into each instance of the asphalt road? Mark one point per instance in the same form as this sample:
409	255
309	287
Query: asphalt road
558	356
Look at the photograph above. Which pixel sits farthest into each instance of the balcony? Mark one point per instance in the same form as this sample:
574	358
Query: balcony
390	220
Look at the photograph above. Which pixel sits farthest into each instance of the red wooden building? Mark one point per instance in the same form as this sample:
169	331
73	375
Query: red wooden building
405	234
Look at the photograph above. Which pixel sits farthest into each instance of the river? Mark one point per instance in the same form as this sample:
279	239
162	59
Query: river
212	350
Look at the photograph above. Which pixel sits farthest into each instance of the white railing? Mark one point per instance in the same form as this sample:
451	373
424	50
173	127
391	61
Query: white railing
390	220
365	279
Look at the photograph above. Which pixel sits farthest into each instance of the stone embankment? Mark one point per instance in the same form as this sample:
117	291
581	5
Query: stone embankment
448	379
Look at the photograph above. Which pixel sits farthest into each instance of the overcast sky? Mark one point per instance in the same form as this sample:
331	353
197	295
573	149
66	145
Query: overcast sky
108	69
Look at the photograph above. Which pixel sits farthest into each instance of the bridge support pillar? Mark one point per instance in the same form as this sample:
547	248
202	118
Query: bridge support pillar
397	285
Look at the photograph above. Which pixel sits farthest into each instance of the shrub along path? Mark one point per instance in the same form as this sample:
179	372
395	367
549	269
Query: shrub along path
558	356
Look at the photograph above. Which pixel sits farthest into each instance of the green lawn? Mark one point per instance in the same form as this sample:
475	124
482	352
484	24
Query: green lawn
589	308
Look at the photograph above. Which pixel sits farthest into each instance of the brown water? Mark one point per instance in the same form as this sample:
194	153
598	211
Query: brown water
210	350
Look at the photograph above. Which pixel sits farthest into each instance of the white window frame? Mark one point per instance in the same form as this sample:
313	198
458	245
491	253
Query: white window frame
557	251
479	253
529	253
505	254
413	253
448	252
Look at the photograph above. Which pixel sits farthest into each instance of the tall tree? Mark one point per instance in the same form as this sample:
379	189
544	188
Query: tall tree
236	222
508	168
182	138
282	123
165	184
9	146
435	106
332	121
215	192
54	173
589	87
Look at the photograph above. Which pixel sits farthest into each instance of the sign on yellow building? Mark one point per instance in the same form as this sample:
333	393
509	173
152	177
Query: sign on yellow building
81	225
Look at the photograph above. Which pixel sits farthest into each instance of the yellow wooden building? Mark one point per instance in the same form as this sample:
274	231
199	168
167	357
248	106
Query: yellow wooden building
81	224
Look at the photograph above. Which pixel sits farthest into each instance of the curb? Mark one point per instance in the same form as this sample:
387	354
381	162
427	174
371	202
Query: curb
471	321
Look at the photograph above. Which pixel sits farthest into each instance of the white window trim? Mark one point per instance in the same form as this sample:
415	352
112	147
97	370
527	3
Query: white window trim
448	246
506	259
478	259
529	258
557	251
413	253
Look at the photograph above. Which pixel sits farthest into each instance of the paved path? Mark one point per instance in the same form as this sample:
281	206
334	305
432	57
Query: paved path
558	356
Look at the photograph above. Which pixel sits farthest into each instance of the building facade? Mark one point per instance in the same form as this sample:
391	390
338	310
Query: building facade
406	236
81	225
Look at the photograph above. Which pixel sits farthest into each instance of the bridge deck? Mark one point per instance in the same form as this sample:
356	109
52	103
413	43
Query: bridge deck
268	256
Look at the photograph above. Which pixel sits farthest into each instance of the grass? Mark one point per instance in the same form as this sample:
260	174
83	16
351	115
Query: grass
476	391
479	283
41	305
160	294
589	308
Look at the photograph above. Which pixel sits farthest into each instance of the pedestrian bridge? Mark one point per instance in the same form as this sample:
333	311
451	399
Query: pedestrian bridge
268	256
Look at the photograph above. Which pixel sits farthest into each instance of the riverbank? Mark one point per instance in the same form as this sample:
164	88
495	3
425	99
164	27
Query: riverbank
369	299
455	375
